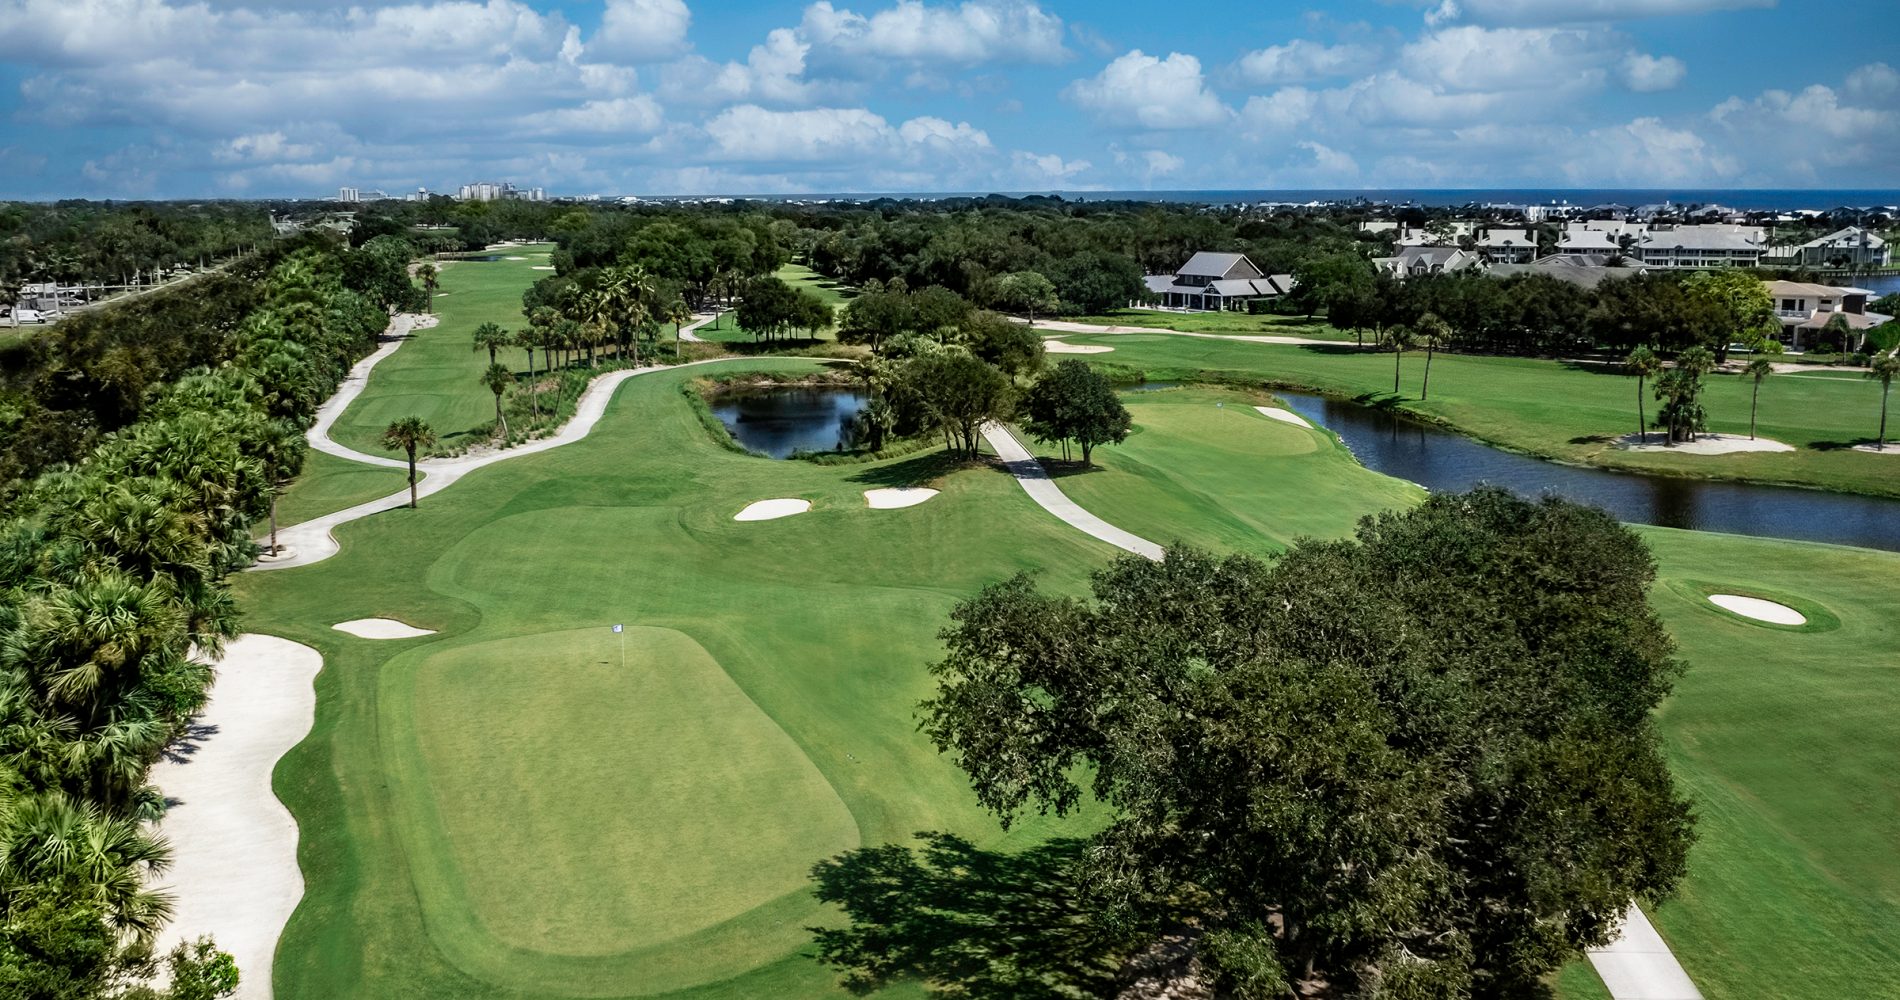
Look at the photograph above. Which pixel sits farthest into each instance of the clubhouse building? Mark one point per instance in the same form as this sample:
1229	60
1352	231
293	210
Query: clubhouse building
1213	282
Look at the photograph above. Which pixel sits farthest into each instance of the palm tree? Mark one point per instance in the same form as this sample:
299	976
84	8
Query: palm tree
427	273
492	337
498	378
528	339
1884	368
677	314
1436	332
1644	364
1758	367
409	433
91	859
630	293
1400	339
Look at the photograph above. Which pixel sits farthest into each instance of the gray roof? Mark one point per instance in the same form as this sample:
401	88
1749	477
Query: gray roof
1698	238
1159	283
1220	265
1588	239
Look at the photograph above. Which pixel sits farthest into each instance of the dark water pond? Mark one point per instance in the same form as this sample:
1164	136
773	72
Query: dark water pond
1442	461
778	422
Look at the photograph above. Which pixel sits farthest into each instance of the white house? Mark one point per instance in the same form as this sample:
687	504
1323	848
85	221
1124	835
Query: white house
1416	262
1217	281
1850	247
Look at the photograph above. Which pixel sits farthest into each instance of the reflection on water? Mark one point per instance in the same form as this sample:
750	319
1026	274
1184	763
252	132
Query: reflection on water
1445	462
778	422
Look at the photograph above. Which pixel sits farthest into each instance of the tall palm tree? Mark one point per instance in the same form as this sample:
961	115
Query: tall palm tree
679	315
630	292
529	338
1758	368
1400	339
1436	331
492	337
1644	364
498	378
428	273
409	433
1884	368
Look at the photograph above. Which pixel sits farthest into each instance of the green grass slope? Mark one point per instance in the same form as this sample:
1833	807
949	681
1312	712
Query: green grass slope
465	796
1224	475
1246	324
329	484
434	374
1562	410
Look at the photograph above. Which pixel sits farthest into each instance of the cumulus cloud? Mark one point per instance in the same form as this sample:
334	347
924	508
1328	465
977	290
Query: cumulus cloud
1645	73
641	30
1303	61
970	34
1649	153
1140	90
1161	164
752	133
1545	12
1874	83
1047	169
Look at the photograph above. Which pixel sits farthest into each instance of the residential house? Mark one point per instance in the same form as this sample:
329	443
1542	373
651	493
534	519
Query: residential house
1805	308
1213	282
1416	261
1708	246
1850	247
1507	246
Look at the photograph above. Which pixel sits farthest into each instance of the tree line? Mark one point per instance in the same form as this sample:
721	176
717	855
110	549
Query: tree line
185	415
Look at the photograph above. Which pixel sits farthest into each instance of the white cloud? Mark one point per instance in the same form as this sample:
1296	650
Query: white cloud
1302	61
1874	83
1645	73
1160	163
1280	111
749	132
636	115
641	30
264	146
1047	168
1470	58
970	34
1649	153
1544	12
1140	90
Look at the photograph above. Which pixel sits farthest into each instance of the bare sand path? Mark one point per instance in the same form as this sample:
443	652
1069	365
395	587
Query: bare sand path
234	846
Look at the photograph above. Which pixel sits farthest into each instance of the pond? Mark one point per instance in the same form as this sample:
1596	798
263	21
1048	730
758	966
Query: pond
780	421
1442	461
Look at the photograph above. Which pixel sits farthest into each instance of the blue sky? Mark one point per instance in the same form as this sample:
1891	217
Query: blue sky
251	98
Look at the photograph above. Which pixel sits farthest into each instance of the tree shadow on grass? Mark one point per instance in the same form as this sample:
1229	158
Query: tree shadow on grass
918	470
1059	468
1334	350
988	924
1893	444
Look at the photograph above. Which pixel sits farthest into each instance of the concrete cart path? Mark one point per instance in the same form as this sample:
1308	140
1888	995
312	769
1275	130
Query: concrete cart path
1043	490
1064	326
400	329
312	541
687	334
234	846
1638	965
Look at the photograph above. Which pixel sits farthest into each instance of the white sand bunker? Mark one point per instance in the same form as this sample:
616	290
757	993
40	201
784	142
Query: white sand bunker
1705	444
1058	347
1753	607
381	628
902	496
1892	448
1285	416
765	510
514	258
540	267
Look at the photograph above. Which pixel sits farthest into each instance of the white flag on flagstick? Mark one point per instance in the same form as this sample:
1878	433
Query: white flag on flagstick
618	627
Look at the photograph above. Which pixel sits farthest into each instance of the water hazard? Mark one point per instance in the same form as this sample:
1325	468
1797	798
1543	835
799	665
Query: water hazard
779	422
1442	461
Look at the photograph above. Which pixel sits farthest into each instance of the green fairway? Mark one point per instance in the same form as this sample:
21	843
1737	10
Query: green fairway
1220	322
466	798
1789	743
1557	409
1225	476
828	290
329	484
434	374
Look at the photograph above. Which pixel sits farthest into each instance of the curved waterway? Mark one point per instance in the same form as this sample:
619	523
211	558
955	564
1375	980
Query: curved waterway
1442	461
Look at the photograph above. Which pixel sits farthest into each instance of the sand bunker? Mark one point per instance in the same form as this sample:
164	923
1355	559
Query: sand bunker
1058	347
1892	448
902	496
514	258
1753	607
541	267
1285	416
381	628
765	510
1705	444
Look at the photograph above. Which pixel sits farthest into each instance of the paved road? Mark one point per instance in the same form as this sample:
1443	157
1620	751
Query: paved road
1638	965
1043	490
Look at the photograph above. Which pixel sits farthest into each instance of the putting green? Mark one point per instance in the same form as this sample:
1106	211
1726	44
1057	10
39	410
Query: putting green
1203	466
693	789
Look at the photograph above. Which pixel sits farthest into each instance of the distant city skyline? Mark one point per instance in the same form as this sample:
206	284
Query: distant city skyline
164	98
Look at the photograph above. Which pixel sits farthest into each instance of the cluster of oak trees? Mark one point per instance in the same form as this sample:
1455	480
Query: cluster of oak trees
185	413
